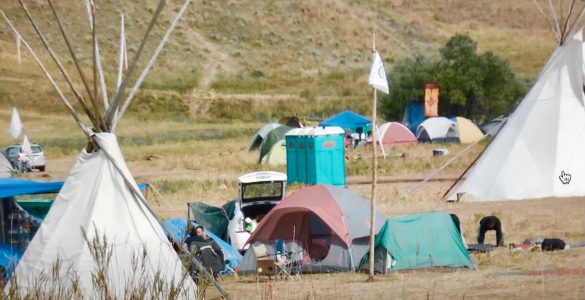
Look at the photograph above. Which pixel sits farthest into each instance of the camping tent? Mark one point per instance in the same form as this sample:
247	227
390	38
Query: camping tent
5	167
329	223
417	241
276	155
349	120
394	133
467	131
260	135
292	122
493	126
436	129
539	152
177	227
274	136
100	230
14	214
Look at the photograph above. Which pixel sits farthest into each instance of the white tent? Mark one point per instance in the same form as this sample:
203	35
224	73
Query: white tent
436	129
540	152
97	200
100	232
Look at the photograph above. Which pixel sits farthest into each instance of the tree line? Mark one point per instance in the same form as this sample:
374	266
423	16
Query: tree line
476	86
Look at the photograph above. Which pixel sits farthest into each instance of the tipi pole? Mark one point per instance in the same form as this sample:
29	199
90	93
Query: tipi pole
97	59
374	174
111	111
62	69
49	77
465	172
122	51
149	64
70	48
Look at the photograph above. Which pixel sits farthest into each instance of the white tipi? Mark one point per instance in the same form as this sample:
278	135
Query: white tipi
100	232
541	150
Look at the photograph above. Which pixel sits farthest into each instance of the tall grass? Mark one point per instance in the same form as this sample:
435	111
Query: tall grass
62	280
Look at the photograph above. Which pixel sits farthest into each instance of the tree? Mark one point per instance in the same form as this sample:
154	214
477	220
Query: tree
476	86
407	82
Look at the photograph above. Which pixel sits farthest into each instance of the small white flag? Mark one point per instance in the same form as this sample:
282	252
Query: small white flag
378	75
26	148
15	124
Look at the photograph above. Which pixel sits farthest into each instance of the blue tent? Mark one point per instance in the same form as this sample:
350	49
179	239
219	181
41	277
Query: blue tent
177	227
349	120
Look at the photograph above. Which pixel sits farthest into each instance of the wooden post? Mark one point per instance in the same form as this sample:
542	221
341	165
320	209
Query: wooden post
374	173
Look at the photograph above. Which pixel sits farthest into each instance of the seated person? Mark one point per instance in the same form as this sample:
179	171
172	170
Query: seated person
490	223
206	251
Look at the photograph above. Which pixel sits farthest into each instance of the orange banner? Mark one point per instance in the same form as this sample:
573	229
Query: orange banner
431	100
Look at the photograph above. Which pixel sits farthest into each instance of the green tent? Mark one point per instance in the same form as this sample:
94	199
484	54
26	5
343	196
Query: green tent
418	241
273	137
38	207
212	218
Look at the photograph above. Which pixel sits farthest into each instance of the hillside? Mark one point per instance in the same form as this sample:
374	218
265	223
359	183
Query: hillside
297	50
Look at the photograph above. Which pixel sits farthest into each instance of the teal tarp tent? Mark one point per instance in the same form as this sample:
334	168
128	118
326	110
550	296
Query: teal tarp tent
349	120
418	241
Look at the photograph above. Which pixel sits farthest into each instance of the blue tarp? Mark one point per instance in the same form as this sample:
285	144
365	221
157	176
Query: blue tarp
10	187
348	120
178	227
413	115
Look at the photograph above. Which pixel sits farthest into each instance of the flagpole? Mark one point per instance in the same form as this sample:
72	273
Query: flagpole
374	173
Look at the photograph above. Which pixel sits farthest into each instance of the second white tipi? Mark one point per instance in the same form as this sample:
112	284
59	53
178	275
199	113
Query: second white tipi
541	150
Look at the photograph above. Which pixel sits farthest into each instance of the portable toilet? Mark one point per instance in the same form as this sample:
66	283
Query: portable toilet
315	155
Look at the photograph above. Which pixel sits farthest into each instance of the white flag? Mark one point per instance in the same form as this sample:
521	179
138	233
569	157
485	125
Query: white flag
26	148
15	124
378	75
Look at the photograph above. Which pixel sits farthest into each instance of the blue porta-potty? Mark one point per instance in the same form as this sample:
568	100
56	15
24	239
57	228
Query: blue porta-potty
315	155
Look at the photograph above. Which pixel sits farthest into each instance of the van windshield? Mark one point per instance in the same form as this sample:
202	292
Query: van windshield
262	191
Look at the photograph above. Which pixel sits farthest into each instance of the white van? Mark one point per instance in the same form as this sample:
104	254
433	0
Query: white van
259	193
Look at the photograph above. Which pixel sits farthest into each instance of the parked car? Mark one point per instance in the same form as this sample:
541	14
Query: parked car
259	193
20	162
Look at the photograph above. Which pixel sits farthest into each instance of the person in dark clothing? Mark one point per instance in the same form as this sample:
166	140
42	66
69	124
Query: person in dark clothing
490	223
206	251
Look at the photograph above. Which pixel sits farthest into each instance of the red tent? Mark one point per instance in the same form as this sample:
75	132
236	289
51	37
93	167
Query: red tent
393	133
330	224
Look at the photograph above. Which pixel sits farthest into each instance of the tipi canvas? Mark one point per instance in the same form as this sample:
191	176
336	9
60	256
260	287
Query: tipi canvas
540	152
97	202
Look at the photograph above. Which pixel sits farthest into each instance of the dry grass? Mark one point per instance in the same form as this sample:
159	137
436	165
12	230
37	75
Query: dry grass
305	49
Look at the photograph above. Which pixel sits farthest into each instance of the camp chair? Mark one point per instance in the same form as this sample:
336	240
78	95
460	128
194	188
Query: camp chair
288	261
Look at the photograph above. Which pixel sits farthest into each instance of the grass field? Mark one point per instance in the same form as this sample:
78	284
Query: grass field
189	161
